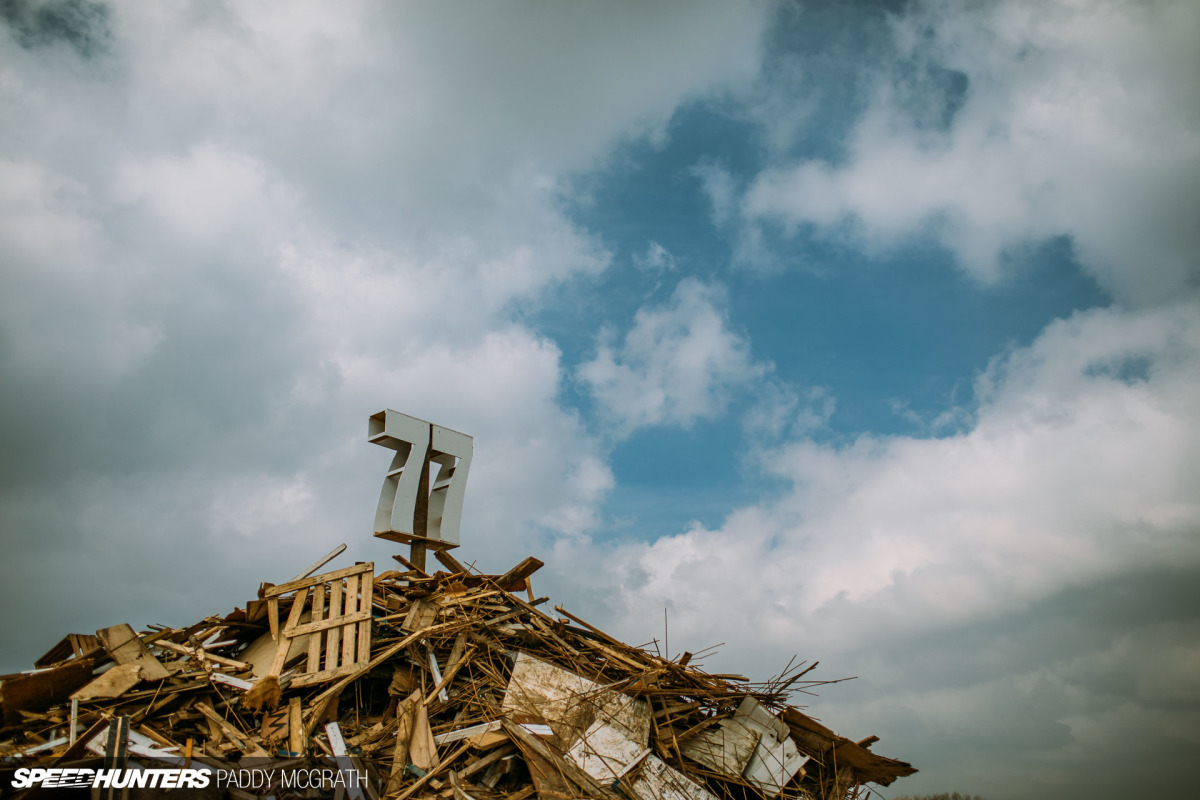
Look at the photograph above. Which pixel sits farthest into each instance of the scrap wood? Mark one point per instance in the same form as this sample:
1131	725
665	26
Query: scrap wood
73	645
41	690
428	776
240	666
528	742
823	744
422	749
234	735
457	649
112	683
126	647
514	579
405	725
450	562
322	561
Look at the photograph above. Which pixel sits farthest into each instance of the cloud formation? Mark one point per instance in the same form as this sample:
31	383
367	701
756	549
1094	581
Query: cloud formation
994	127
678	363
1082	470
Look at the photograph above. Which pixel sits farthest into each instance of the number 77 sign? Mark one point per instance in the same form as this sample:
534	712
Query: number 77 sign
415	505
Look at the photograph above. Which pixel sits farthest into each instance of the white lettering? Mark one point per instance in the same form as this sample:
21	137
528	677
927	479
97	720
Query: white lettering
22	779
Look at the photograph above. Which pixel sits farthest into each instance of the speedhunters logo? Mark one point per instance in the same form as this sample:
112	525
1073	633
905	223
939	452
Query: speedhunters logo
83	778
265	780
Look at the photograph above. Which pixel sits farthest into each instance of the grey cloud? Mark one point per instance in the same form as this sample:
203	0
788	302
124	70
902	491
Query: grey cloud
80	24
1094	675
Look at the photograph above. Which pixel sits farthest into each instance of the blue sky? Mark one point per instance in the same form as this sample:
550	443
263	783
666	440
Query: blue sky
864	332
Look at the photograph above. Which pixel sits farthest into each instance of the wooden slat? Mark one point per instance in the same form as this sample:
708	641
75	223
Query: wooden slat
326	624
303	583
325	559
310	678
273	617
285	640
314	642
364	627
295	727
351	603
333	635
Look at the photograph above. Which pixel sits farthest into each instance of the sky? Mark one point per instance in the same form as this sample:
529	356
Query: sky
865	332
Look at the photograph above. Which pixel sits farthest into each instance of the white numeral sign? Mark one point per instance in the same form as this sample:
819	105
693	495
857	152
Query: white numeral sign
415	504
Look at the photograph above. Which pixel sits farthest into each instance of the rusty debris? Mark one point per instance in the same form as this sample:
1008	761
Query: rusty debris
451	685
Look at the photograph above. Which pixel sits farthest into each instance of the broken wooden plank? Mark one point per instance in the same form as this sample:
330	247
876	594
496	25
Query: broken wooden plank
126	647
296	739
42	689
449	561
467	732
234	735
191	651
73	645
114	682
275	724
819	741
484	762
421	614
406	714
422	747
528	742
514	579
228	680
322	561
429	775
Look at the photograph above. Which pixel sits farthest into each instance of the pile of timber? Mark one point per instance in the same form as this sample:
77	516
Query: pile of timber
449	685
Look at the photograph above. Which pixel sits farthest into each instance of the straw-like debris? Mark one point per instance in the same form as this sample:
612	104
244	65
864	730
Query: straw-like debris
451	685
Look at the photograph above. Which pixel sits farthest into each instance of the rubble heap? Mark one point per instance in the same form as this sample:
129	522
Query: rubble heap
450	685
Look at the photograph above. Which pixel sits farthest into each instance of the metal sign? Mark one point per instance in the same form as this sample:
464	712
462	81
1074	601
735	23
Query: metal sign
416	506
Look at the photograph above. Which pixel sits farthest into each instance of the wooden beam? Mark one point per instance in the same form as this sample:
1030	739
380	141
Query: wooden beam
514	579
330	556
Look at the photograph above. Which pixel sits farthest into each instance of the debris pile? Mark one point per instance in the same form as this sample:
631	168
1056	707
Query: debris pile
449	685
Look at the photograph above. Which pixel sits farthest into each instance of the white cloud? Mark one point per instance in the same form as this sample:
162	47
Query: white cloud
656	259
719	187
208	195
1079	119
678	363
781	411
